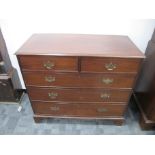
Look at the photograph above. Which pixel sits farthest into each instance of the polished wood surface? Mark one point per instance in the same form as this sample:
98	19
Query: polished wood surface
78	80
78	95
79	76
80	45
40	62
99	65
76	109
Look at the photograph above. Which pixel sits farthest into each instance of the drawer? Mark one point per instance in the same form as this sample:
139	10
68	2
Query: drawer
76	109
56	63
79	80
109	64
78	95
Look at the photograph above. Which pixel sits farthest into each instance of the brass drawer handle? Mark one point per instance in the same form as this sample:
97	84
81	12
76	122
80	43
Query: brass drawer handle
49	65
52	95
54	108
49	78
105	96
102	110
110	66
107	80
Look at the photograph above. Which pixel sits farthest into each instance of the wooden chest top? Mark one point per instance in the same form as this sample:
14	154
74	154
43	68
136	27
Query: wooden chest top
80	45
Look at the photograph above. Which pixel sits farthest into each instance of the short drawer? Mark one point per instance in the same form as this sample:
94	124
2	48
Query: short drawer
78	95
79	80
109	64
76	109
56	63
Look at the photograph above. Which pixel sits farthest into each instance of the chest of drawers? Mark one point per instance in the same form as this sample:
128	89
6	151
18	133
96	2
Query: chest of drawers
79	76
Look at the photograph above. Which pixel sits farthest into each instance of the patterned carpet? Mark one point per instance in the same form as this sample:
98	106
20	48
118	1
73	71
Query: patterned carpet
13	122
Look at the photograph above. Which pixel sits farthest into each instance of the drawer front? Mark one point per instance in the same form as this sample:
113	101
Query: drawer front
109	64
79	80
76	109
48	63
78	95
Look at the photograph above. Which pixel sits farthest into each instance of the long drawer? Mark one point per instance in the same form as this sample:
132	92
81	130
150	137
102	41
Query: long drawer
76	109
48	79
109	65
78	95
53	63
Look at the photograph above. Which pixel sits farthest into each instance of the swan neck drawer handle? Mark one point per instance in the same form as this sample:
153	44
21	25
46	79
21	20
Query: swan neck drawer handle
110	66
49	78
105	96
107	80
52	95
49	65
102	110
54	108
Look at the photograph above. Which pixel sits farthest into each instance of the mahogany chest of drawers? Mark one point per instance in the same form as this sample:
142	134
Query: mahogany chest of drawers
79	76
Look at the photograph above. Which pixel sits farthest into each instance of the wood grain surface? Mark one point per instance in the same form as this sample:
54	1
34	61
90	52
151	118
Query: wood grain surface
78	95
78	80
76	109
80	45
